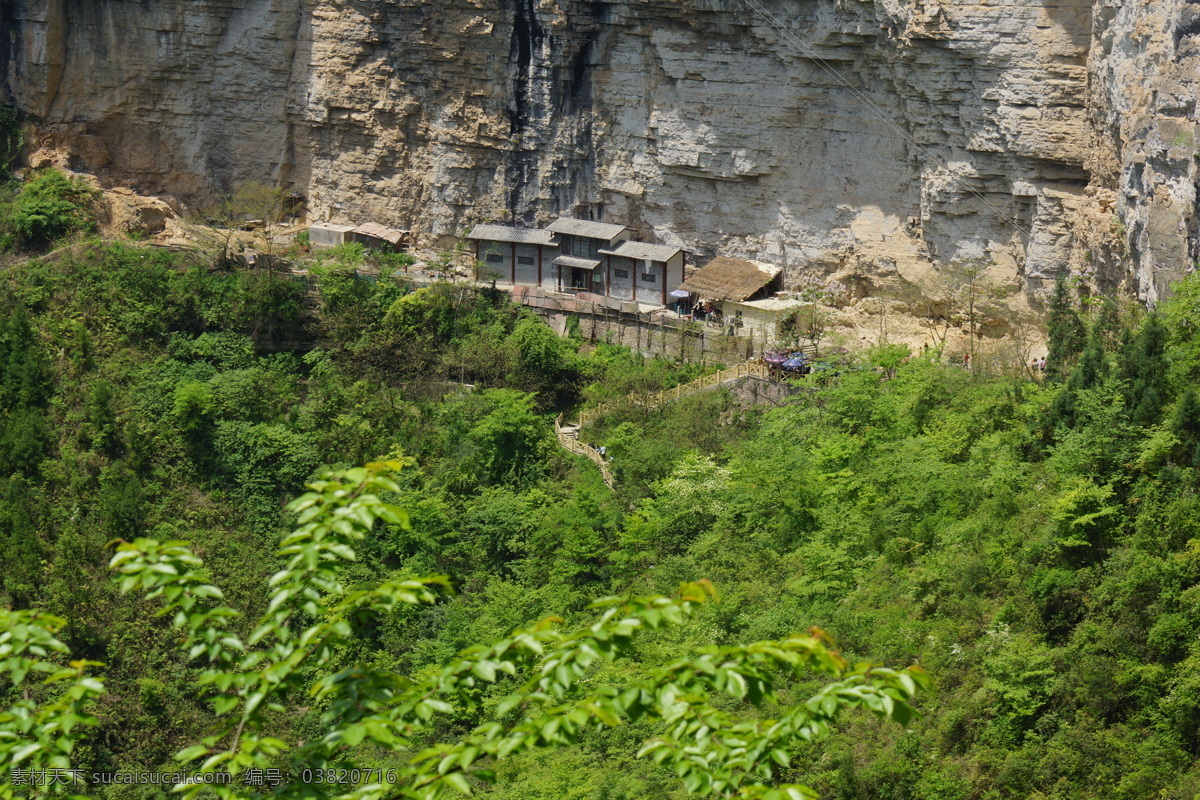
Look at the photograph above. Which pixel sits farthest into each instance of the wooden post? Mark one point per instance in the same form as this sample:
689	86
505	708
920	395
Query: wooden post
539	282
512	267
664	280
607	275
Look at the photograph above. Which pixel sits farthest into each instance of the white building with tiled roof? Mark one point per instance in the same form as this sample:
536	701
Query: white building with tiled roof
519	256
644	273
583	241
577	255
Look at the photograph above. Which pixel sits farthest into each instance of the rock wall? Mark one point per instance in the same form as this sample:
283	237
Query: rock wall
1145	70
875	139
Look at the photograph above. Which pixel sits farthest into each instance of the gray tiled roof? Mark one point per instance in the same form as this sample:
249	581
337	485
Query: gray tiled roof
503	233
645	252
587	229
571	261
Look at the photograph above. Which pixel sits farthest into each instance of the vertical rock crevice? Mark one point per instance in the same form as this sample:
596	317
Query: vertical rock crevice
527	36
526	112
10	44
552	158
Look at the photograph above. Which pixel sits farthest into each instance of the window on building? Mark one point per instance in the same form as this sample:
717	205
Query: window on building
649	277
526	260
620	273
495	258
579	247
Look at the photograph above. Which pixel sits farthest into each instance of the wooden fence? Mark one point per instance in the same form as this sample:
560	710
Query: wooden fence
567	438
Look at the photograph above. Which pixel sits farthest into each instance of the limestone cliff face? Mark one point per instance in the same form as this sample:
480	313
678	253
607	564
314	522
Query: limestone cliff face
1145	68
867	137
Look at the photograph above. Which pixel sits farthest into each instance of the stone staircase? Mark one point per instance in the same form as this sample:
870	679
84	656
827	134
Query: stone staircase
568	437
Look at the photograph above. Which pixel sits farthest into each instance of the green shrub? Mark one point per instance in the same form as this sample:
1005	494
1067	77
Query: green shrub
48	207
391	262
349	255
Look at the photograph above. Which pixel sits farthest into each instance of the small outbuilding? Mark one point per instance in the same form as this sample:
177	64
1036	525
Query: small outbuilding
520	256
762	317
378	237
323	235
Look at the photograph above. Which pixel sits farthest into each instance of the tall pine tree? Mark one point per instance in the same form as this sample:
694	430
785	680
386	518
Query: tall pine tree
1186	427
1068	336
24	388
1090	373
1143	367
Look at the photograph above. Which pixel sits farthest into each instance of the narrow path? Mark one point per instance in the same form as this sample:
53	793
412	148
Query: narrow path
568	433
568	437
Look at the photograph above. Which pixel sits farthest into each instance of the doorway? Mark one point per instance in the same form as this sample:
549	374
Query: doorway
581	279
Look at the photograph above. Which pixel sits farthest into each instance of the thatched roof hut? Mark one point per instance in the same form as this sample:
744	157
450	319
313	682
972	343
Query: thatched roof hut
730	279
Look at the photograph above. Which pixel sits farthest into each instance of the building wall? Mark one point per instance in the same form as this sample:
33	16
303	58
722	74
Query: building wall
497	258
675	272
590	248
373	243
320	237
650	280
621	287
756	321
647	292
527	263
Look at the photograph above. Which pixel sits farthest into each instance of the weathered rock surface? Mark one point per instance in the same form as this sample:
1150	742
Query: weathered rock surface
876	139
1145	67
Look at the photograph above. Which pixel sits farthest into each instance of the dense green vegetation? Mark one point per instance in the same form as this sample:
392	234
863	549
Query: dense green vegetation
531	691
45	208
1035	547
